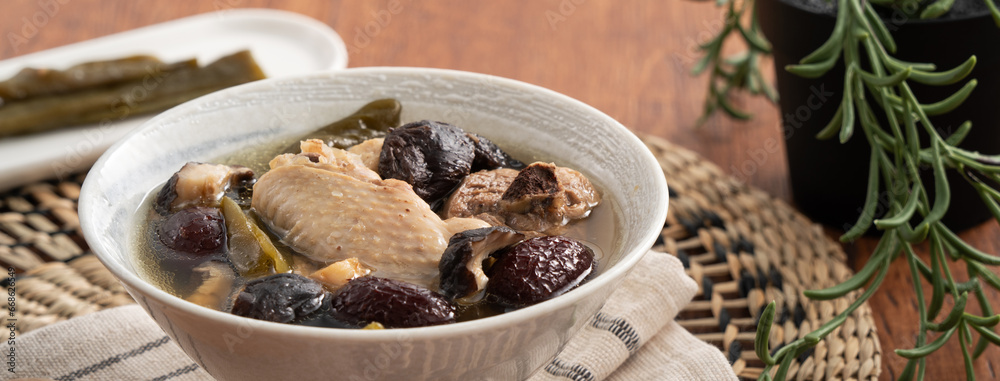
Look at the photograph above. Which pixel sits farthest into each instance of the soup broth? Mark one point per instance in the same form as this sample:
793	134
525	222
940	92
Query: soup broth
175	272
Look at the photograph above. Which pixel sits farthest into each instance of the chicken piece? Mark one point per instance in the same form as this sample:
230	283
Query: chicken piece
216	285
458	225
337	274
318	155
200	184
369	150
327	205
479	194
541	197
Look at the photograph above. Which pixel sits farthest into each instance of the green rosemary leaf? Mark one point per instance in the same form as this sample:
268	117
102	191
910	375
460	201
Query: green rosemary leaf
907	373
953	317
976	270
954	100
936	9
830	50
870	123
847	126
948	77
897	64
783	369
813	70
754	40
958	136
833	127
881	31
891	80
871	202
993	11
982	321
976	161
942	190
716	42
815	336
987	334
760	342
966	249
927	349
768	90
912	140
937	285
963	339
911	235
989	197
859	279
732	110
988	276
702	63
924	269
903	215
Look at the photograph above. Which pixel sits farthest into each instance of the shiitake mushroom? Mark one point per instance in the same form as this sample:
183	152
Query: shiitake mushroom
433	157
202	184
488	155
282	298
461	265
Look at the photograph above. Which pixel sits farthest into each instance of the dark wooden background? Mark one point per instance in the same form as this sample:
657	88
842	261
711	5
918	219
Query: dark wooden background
628	58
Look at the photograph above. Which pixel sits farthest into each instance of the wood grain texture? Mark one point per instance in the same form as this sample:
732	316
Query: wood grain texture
628	58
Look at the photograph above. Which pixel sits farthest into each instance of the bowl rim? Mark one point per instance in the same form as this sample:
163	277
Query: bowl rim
132	280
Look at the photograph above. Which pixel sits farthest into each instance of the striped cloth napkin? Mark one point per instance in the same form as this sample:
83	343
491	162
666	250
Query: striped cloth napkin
633	337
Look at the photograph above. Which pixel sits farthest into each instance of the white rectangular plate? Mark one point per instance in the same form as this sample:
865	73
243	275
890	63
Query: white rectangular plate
283	44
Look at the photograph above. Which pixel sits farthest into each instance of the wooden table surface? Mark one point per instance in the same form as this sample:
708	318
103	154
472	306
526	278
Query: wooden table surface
628	58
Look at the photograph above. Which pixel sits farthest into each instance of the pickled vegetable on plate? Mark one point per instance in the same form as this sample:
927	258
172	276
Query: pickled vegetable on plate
35	82
152	92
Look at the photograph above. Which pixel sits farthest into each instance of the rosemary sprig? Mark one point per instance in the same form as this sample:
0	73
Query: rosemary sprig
883	81
739	72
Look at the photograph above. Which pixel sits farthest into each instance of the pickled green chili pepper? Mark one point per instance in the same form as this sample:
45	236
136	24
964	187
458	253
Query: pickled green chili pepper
250	249
372	120
153	92
34	82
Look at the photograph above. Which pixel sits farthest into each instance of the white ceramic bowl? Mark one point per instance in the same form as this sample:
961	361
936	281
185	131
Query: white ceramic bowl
522	118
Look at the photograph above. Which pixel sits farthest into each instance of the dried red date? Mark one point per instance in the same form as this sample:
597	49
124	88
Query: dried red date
539	269
461	264
197	230
393	303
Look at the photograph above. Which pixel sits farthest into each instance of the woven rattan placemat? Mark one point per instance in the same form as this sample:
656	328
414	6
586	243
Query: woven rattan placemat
742	246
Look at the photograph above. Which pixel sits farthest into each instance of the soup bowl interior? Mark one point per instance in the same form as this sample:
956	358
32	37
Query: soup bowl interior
528	121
